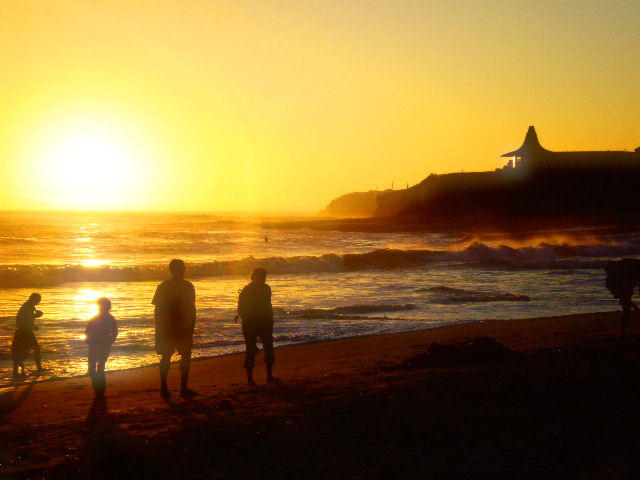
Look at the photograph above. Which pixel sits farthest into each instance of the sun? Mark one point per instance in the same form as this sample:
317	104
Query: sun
89	165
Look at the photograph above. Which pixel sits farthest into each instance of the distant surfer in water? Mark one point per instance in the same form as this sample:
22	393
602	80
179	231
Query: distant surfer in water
24	339
256	312
266	237
175	318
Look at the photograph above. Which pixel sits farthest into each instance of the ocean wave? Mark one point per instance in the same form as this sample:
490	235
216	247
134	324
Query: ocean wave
17	240
218	343
16	276
544	256
446	295
299	338
349	311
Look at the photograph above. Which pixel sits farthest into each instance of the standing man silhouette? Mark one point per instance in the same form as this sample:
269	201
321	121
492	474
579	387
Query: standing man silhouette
256	312
175	319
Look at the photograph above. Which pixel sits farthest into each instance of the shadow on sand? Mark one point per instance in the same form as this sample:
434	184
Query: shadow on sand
109	452
13	397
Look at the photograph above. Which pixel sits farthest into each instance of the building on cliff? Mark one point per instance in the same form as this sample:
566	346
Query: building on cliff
532	155
536	187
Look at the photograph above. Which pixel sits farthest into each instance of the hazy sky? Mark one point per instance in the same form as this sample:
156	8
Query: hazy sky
281	106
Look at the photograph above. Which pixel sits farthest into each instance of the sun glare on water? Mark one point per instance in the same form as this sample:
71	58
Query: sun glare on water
84	302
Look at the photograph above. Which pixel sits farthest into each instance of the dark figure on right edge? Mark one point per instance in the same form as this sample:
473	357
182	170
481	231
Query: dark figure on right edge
24	339
175	316
254	307
622	278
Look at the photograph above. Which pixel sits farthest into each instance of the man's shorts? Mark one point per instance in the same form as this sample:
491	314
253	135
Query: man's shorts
23	342
168	343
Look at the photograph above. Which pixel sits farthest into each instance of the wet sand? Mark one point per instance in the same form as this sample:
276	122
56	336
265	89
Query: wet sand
564	405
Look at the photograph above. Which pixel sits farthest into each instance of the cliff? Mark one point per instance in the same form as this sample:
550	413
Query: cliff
518	195
355	204
537	186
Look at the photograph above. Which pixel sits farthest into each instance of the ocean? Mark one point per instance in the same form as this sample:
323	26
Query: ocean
326	284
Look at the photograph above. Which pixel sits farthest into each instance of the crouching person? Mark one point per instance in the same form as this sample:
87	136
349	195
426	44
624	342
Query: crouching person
256	312
101	332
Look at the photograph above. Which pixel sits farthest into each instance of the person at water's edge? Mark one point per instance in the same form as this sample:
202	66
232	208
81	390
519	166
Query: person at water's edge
256	312
24	339
100	333
175	320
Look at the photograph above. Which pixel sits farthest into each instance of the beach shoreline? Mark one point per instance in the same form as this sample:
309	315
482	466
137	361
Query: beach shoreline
34	378
332	396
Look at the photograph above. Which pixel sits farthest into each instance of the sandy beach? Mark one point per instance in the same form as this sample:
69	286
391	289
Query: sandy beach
562	405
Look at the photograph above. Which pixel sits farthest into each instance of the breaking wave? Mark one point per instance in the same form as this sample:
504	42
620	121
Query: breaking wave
446	295
541	257
350	311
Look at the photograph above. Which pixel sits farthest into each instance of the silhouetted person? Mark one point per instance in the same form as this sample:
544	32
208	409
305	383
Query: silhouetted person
622	278
175	318
24	339
254	307
101	332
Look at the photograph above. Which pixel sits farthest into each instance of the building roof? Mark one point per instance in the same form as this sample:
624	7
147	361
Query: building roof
530	146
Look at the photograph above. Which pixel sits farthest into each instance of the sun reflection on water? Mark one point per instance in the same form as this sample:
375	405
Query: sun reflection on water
85	302
92	262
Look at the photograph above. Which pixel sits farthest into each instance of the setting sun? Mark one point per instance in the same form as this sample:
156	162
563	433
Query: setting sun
89	164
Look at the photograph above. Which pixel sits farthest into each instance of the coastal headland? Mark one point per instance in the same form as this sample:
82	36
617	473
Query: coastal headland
536	188
561	404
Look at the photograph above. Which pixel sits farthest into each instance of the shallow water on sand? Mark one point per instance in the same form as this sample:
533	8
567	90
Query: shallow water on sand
325	284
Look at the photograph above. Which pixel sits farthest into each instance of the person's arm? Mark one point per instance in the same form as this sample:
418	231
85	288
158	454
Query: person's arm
270	305
239	310
87	333
193	306
32	319
157	311
114	330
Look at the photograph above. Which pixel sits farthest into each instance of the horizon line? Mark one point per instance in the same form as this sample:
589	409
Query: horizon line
185	212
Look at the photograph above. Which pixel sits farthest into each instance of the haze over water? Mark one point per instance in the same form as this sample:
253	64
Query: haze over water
325	284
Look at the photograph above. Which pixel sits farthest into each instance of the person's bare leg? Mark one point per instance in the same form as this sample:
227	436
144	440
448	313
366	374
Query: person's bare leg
267	343
250	379
626	307
250	354
92	370
270	377
37	357
101	379
185	364
165	363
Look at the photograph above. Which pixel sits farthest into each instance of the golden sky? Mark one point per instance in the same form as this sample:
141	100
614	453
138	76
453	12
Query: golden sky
283	105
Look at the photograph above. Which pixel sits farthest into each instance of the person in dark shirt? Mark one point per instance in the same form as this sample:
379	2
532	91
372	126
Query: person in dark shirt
24	339
175	320
256	312
101	332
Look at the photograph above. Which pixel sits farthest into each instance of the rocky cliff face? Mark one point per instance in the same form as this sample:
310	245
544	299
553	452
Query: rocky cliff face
356	204
514	196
